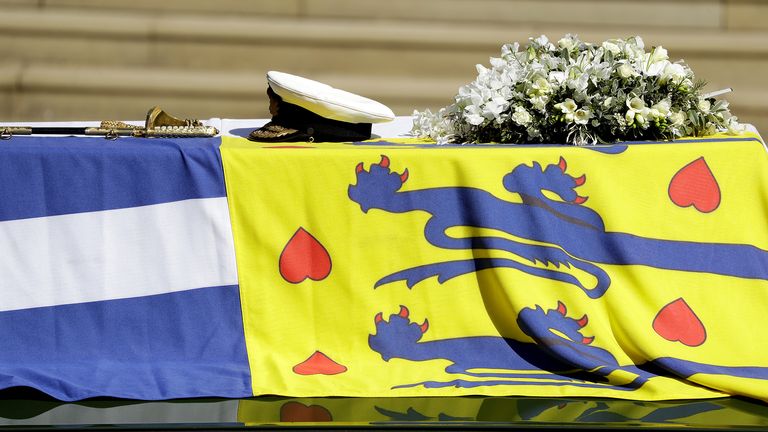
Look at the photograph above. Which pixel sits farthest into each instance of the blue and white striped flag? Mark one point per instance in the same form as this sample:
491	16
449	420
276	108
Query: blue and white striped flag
118	274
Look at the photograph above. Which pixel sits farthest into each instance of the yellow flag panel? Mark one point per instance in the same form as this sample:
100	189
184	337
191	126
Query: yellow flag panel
634	271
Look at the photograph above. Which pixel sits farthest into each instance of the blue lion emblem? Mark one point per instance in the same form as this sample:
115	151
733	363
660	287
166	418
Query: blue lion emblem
562	357
566	233
560	354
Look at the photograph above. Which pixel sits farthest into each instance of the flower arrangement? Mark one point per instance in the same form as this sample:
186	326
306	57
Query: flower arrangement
578	93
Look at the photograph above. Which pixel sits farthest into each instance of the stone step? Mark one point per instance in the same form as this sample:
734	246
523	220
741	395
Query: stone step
357	47
647	13
712	14
205	7
345	33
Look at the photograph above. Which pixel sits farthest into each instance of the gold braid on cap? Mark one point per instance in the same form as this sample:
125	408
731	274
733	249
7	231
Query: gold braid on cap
272	131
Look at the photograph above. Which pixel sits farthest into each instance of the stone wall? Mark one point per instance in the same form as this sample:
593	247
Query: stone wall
98	59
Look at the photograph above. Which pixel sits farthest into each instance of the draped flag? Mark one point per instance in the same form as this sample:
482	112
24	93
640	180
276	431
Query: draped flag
118	273
375	269
636	271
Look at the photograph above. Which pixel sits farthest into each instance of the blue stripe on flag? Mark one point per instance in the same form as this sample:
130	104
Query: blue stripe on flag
177	345
46	176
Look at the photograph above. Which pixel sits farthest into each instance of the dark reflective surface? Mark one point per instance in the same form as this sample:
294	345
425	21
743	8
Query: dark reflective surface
28	410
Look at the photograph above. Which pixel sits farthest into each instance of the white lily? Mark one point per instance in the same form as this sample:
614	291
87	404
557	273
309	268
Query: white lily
657	54
568	107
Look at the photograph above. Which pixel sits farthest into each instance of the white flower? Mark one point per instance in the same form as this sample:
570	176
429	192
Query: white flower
482	71
677	118
625	71
540	86
422	122
567	107
557	77
636	41
634	48
657	54
612	47
473	115
656	69
521	116
637	112
539	102
579	84
704	106
636	118
494	107
661	109
497	63
654	62
600	71
609	91
566	43
543	41
734	127
673	72
509	50
435	126
582	116
635	104
507	93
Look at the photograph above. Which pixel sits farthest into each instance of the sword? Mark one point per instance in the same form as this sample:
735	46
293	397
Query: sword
159	124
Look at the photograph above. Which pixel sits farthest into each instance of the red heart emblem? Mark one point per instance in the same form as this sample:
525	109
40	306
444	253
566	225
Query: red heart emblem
676	322
695	185
319	364
304	257
297	412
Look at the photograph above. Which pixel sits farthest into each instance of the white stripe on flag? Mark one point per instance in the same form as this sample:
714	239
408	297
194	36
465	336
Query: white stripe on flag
116	254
